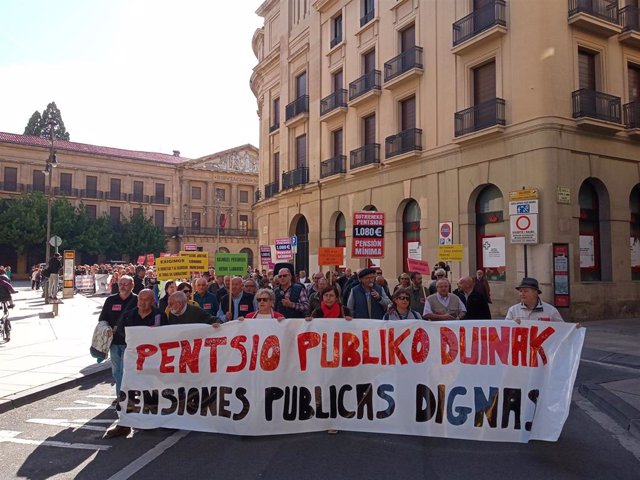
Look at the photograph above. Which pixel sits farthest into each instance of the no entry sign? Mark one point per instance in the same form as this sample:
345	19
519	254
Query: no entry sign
368	235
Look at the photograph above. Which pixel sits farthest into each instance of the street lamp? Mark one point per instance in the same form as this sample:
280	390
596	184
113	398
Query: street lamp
52	162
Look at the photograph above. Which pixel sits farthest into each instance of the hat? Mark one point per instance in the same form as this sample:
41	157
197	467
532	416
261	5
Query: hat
366	271
528	282
280	266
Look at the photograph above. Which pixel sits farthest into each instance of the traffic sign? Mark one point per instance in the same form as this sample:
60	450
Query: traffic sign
519	207
294	240
445	230
524	228
524	194
55	241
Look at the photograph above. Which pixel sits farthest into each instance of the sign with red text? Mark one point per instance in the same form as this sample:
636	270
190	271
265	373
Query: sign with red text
151	260
418	266
265	254
368	235
140	260
283	249
490	380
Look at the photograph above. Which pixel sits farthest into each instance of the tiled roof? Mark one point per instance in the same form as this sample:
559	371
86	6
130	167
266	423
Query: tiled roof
83	148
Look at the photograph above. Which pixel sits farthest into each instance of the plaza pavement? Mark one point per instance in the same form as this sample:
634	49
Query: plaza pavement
49	354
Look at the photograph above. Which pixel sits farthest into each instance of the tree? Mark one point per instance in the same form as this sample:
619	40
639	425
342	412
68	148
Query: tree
40	125
34	127
139	235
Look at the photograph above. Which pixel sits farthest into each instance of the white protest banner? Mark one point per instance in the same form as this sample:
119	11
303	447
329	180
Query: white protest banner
475	379
85	283
102	284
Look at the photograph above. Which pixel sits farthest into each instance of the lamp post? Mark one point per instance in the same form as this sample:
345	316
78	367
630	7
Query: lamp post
52	162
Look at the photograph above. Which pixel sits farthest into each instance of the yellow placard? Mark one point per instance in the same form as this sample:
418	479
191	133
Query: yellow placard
524	194
171	268
451	253
198	261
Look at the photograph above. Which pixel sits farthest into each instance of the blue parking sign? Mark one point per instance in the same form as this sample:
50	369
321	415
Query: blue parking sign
523	208
294	241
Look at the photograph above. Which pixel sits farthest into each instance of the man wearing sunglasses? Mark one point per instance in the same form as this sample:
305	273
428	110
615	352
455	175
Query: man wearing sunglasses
291	298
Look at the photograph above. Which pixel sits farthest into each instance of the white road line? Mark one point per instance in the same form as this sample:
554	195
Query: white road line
90	406
8	436
110	397
64	423
150	456
612	365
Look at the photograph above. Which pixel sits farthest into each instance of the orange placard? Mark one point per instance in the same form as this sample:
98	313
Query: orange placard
330	255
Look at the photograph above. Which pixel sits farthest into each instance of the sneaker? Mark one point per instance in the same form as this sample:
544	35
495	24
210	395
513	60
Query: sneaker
114	403
117	431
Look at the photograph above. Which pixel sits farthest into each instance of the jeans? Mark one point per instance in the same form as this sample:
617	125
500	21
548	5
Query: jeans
53	285
117	364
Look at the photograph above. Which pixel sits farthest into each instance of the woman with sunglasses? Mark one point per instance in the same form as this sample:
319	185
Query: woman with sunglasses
265	298
403	281
330	306
399	310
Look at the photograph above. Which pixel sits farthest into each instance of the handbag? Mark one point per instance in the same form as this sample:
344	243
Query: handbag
101	341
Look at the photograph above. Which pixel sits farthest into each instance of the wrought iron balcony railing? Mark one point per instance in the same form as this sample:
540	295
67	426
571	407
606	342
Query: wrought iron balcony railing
295	177
406	141
632	115
366	155
271	189
479	117
162	200
298	106
411	58
598	105
333	166
629	18
366	83
335	100
604	9
257	196
480	20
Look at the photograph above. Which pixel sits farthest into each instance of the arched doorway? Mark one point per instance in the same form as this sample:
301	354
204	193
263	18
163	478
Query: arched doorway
410	230
634	227
341	231
490	234
223	250
302	257
249	253
590	232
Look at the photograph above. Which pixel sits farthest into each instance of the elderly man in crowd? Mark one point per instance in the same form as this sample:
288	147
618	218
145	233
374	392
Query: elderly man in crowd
417	292
443	305
250	286
241	302
531	307
367	299
292	300
180	312
476	304
439	273
207	300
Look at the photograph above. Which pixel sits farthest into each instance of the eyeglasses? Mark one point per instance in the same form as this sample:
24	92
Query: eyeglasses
186	291
263	299
440	275
406	299
285	275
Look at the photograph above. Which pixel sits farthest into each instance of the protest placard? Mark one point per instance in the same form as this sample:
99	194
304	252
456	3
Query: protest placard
198	261
231	263
171	268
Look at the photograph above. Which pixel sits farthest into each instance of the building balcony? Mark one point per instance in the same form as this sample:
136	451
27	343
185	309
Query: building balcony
333	166
297	111
403	67
480	117
597	111
366	18
295	177
11	187
162	200
364	87
334	104
596	16
215	231
631	113
629	19
29	188
487	22
271	189
132	197
407	141
274	128
368	154
257	196
116	196
66	192
98	195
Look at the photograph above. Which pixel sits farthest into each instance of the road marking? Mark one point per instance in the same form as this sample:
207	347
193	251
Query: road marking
90	406
612	365
9	436
110	397
66	423
150	456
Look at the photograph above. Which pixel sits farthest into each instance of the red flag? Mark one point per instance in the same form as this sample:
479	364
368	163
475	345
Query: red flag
223	220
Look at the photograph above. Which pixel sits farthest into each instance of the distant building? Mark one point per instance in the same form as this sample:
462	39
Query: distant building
205	201
434	112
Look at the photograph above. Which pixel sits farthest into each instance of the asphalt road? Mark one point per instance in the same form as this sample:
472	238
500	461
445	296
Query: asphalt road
60	437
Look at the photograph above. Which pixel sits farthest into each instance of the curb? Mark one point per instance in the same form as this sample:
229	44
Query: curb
604	356
43	391
624	414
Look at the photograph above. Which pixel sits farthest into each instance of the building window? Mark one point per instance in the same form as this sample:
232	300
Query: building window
369	61
10	179
221	194
593	240
337	80
587	61
369	130
301	151
275	114
276	166
196	193
92	211
243	222
66	179
136	212
249	253
91	186
634	225
490	234
633	75
159	192
407	38
336	30
195	220
301	85
114	215
410	229
38	181
408	114
368	11
244	196
138	191
338	142
158	218
484	83
341	231
116	189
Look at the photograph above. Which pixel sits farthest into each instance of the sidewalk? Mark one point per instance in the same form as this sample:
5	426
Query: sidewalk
46	354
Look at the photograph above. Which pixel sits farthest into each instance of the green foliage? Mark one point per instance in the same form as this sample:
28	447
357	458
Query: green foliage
138	235
40	125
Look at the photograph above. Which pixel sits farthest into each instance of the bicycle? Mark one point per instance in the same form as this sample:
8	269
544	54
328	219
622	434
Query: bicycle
5	324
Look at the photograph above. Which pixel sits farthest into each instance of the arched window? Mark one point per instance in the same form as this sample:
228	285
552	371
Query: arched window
590	259
490	233
302	257
634	226
341	231
223	250
370	208
249	253
410	230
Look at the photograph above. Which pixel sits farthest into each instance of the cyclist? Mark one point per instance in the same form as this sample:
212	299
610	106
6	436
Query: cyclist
6	289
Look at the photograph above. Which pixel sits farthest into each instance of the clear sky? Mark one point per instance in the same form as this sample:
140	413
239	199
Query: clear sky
153	75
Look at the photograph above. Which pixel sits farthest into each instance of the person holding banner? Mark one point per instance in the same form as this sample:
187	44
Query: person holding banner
265	298
531	307
399	310
207	301
291	298
330	306
368	300
238	305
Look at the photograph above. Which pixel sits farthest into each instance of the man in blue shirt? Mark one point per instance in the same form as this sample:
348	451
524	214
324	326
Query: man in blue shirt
207	301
